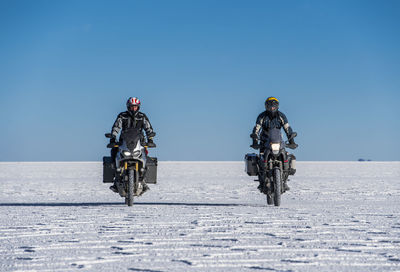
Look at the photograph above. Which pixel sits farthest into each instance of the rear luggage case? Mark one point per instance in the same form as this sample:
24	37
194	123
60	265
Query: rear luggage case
108	170
251	163
151	173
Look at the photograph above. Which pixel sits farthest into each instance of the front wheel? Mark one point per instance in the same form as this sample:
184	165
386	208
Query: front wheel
277	186
131	184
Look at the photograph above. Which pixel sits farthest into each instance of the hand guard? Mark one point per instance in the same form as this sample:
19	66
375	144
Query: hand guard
112	143
292	136
255	144
292	144
150	142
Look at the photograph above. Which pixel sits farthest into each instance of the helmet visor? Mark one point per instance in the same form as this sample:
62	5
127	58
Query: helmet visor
272	105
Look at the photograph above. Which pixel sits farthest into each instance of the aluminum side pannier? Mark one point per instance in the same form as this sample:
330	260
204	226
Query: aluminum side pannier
251	164
151	173
108	170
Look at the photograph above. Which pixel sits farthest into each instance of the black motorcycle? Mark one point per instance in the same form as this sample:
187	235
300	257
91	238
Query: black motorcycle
272	166
133	169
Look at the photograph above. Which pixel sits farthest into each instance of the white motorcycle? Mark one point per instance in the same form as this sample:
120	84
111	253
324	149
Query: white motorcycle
133	168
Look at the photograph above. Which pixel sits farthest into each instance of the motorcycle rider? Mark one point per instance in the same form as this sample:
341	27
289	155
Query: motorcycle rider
272	118
132	118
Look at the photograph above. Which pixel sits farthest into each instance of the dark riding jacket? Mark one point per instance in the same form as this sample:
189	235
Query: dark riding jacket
267	120
129	119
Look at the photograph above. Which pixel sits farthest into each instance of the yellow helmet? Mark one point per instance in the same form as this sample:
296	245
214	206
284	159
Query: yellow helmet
272	104
271	98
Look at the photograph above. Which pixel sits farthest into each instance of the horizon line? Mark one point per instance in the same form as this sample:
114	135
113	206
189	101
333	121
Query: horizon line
191	161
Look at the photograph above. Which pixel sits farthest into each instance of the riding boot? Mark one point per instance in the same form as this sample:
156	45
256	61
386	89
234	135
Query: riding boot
285	186
145	188
120	188
260	187
263	187
114	188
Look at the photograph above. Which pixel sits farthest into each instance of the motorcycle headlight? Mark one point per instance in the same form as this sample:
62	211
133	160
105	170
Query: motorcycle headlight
275	147
126	153
136	153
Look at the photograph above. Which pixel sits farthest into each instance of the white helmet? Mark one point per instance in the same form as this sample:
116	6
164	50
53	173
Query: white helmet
132	101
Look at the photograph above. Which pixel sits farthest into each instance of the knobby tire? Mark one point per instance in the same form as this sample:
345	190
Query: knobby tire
277	186
131	184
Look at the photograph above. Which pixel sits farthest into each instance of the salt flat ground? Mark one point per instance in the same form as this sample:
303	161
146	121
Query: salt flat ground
201	216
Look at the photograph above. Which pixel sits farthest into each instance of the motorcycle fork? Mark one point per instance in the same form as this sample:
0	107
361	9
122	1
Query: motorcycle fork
271	165
126	176
123	169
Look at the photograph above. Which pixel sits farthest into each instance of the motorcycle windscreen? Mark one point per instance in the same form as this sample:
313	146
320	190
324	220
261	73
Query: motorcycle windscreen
131	136
275	135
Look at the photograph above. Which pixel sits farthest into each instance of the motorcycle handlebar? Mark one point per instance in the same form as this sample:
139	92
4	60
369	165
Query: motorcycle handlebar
112	145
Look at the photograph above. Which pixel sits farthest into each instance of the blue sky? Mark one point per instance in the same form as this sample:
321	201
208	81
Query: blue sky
202	70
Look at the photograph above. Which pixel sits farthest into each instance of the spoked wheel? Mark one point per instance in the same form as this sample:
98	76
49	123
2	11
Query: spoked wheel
277	186
131	184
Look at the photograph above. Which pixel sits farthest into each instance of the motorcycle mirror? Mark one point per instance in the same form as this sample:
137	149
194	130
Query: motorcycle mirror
108	135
